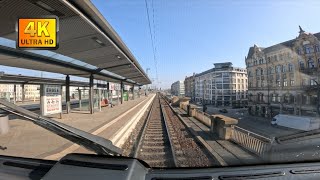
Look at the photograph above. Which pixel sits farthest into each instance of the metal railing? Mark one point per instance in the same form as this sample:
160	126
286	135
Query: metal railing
251	141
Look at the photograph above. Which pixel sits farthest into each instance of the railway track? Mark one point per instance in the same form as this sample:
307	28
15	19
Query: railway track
166	142
154	145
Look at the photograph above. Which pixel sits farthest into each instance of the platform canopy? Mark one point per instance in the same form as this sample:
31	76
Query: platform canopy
20	79
87	42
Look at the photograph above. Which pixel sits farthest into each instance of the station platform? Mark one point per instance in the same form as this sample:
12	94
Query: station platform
26	139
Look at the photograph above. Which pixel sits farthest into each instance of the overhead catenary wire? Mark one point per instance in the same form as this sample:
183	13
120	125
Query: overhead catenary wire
155	40
152	36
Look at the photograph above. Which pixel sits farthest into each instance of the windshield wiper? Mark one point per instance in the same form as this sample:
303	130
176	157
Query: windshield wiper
300	136
91	142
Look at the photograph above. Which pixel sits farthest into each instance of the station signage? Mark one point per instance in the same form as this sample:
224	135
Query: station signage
111	86
51	99
37	33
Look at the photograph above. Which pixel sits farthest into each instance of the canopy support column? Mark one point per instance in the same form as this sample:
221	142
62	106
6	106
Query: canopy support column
14	94
121	91
133	92
68	94
91	94
80	103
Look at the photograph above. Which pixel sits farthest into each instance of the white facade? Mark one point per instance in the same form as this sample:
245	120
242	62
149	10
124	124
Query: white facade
31	91
177	88
222	85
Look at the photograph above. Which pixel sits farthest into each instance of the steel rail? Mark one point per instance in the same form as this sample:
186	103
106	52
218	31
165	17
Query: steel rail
164	116
142	134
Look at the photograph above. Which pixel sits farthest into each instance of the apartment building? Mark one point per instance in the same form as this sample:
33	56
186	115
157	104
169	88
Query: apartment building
189	87
30	91
284	78
177	88
223	85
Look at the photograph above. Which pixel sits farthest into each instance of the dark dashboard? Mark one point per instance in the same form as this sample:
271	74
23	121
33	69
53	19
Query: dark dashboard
85	166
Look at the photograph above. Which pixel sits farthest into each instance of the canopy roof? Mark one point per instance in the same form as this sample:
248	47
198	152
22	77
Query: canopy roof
87	42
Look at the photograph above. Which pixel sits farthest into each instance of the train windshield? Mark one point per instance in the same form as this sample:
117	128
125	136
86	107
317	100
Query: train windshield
173	83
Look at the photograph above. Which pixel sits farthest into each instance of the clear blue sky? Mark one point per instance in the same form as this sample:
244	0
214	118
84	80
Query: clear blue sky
191	35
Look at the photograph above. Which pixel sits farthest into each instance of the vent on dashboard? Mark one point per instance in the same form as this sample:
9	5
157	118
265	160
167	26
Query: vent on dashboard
184	178
27	165
119	167
252	176
305	171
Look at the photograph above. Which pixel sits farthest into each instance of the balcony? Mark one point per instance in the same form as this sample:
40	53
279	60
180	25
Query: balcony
310	71
309	88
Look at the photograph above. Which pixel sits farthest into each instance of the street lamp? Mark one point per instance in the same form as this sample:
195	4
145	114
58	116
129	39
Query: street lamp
147	70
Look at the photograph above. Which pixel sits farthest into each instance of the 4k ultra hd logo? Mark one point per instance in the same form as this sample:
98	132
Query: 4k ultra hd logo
38	33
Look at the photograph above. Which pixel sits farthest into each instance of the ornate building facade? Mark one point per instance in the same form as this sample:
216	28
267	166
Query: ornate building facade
284	78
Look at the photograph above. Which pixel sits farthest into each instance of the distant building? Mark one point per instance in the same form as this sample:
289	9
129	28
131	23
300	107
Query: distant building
283	78
31	91
223	85
177	88
189	87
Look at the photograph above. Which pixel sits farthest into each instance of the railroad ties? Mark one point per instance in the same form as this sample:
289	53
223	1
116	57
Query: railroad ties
154	146
166	142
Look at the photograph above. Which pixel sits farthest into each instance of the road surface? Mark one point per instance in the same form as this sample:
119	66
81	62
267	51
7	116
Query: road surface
255	124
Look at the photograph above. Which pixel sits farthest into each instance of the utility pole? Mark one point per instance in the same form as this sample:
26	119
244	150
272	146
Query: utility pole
318	96
268	86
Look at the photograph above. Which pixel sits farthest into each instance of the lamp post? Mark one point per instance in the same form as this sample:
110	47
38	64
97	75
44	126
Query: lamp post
147	70
318	96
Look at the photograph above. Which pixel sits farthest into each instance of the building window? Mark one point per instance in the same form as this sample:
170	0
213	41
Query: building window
270	70
316	48
284	69
313	82
290	67
285	83
284	76
307	49
273	98
278	83
299	51
275	58
278	98
311	63
301	64
278	69
291	82
286	98
258	72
